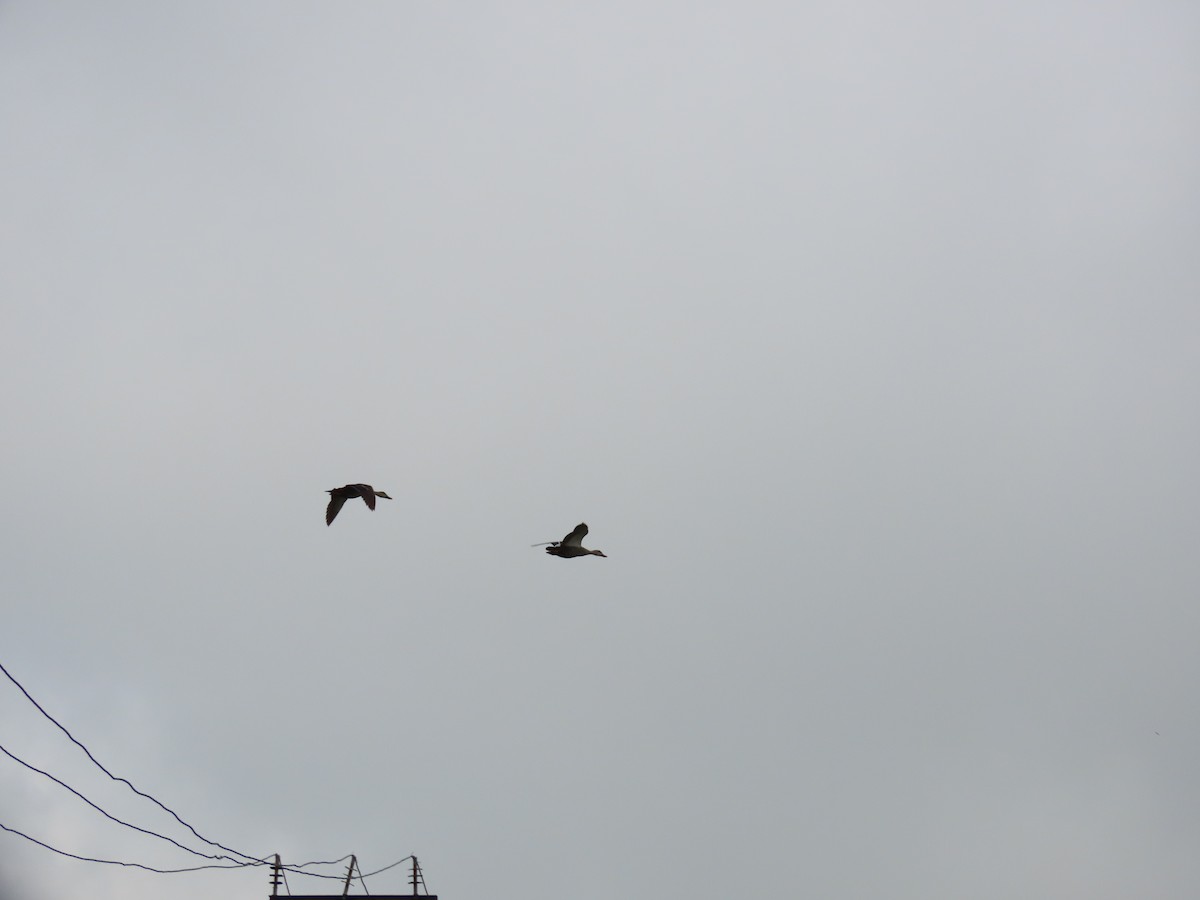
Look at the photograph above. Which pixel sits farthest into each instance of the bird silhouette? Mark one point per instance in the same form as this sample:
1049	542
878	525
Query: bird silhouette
338	497
572	545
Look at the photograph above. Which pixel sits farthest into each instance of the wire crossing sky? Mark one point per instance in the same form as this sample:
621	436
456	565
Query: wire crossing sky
248	860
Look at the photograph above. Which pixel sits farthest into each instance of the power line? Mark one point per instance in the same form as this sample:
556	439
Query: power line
326	862
236	864
114	862
102	812
124	781
295	870
385	868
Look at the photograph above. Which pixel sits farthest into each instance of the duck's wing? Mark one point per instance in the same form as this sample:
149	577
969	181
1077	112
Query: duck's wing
368	497
331	511
575	538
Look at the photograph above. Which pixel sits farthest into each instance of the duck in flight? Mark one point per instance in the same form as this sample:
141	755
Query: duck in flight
338	496
572	545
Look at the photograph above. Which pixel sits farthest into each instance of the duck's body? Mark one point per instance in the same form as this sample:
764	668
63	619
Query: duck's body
572	545
338	496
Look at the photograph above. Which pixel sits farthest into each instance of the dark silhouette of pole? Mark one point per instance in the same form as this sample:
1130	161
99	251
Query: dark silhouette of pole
416	874
416	880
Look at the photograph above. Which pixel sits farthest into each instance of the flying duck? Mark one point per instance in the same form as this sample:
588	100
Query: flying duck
572	545
338	496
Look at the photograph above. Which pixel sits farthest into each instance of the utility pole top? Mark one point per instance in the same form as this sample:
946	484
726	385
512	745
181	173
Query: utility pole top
416	879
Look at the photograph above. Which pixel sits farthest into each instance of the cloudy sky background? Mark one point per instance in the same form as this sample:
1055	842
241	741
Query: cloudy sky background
864	337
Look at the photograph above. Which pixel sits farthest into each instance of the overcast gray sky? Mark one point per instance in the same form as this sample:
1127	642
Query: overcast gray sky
864	336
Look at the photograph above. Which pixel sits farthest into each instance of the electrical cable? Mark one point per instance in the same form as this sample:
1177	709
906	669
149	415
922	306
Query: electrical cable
124	781
236	864
385	868
108	815
114	862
